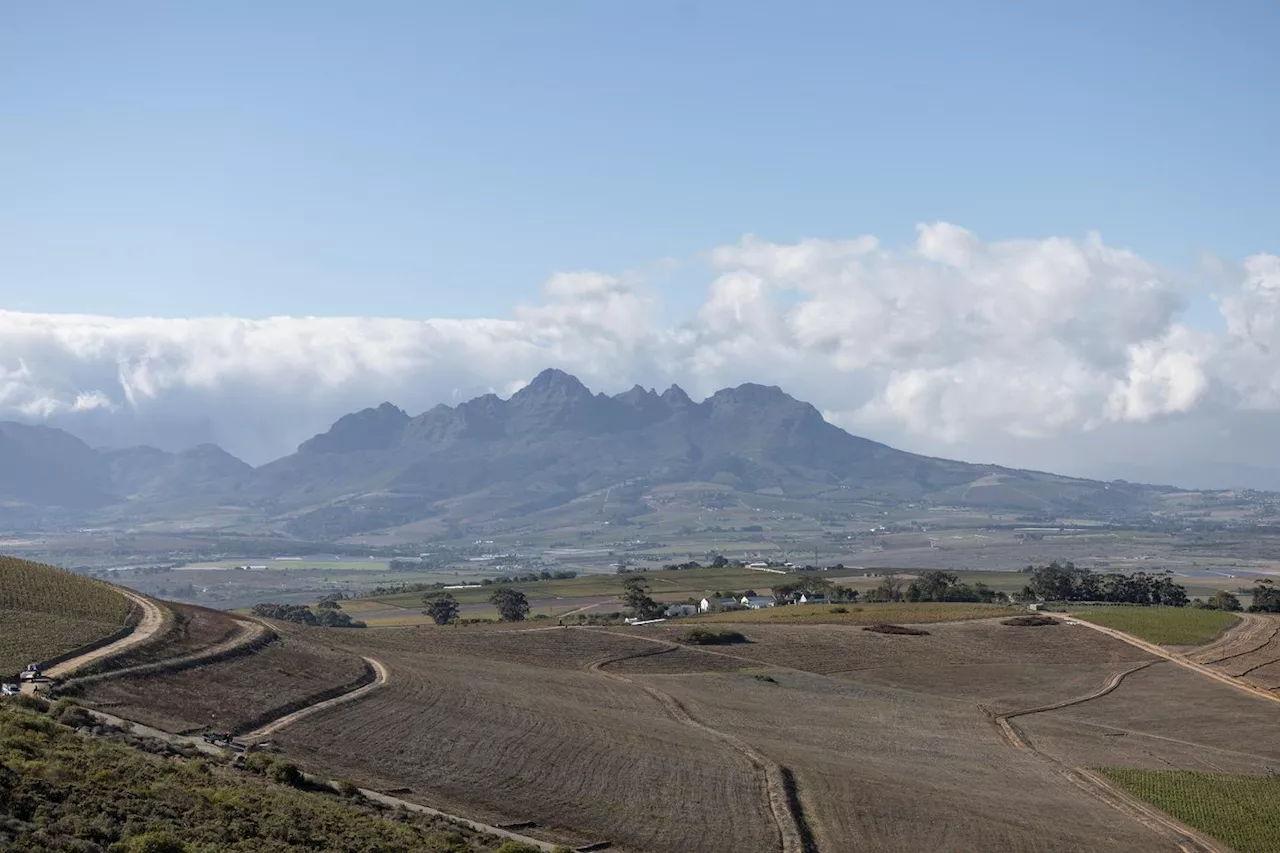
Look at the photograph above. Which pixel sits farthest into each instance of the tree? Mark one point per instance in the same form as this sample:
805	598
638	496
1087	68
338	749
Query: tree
1266	597
890	588
328	604
843	593
511	603
441	607
719	562
635	592
1222	600
932	586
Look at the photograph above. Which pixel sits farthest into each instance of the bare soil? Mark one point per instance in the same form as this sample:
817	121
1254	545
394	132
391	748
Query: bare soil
538	739
233	694
1165	717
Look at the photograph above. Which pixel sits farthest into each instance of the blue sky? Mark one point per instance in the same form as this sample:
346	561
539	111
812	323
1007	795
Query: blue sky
441	160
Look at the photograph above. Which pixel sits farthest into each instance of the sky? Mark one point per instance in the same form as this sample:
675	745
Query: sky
1039	234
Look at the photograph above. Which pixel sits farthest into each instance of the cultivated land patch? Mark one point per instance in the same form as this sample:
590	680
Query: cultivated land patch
26	636
862	614
46	612
1238	810
511	727
1166	626
1250	652
1164	717
187	629
891	741
236	694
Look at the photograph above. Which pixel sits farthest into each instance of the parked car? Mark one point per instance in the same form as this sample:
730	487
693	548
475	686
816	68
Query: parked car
10	689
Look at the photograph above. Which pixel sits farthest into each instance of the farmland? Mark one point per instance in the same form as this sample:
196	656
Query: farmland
1238	810
809	727
233	694
1250	652
1166	626
47	611
885	736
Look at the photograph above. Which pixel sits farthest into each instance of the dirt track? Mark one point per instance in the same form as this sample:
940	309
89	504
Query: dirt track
276	725
151	622
789	833
1254	633
1186	838
1181	660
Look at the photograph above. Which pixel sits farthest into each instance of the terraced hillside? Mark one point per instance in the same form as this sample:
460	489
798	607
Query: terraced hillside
46	612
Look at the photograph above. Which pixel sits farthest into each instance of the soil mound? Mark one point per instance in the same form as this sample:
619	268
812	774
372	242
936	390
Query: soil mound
1029	621
897	629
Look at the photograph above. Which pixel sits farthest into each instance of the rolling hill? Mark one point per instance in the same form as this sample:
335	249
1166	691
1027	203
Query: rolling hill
551	443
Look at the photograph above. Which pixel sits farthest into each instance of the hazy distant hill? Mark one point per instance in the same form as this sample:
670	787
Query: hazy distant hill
550	443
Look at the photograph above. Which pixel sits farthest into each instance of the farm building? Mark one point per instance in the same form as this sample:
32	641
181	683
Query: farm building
707	605
755	602
681	610
811	598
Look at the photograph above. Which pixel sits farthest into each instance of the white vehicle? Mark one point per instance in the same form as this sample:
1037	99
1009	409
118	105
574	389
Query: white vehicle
31	673
10	689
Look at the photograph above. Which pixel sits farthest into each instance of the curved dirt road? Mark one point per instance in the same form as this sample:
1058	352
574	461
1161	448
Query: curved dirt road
382	674
151	622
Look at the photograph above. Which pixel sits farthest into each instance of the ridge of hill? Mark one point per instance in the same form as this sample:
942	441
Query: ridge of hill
551	443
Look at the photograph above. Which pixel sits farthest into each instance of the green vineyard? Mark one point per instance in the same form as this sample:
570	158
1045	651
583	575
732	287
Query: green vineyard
46	611
1240	811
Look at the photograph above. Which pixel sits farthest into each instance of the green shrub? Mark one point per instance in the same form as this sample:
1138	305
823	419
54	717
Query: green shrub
154	842
286	773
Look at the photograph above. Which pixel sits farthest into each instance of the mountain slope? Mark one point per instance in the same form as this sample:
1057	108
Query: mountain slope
552	443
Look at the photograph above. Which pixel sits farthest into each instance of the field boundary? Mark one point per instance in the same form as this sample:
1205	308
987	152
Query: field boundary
793	835
150	620
1185	837
253	636
1181	660
1245	619
314	705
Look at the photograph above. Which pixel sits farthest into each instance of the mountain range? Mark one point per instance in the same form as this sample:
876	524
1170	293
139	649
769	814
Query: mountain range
548	445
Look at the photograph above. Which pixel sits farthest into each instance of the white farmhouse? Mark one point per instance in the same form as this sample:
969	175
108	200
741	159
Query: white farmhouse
755	602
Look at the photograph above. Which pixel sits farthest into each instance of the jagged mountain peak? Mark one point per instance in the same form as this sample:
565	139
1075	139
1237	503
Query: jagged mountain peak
552	383
367	429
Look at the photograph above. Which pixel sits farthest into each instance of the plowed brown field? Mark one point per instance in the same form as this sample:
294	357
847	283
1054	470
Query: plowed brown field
891	741
804	738
509	727
1251	651
234	694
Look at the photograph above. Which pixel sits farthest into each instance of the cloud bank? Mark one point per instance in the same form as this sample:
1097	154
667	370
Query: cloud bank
1053	352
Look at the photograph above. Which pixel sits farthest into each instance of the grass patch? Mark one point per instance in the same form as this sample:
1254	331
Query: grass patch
1239	811
703	637
864	614
1166	626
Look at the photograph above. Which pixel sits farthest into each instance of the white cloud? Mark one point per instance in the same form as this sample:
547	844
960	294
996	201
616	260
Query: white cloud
944	346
